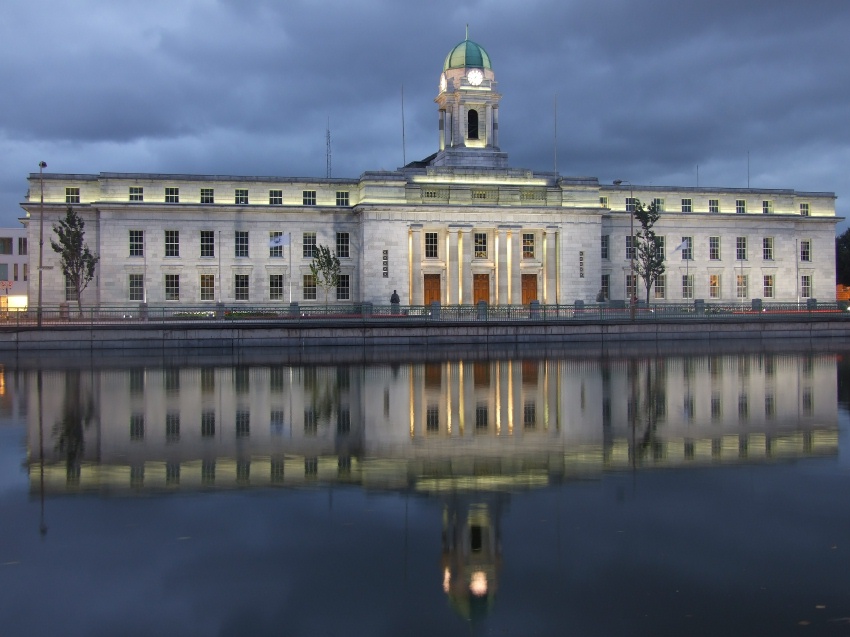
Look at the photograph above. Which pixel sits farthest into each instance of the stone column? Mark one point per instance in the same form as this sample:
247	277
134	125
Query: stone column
503	273
442	129
417	295
516	272
495	126
452	273
550	267
465	266
488	127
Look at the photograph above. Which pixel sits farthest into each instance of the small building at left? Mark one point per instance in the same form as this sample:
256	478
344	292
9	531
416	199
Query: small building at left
14	266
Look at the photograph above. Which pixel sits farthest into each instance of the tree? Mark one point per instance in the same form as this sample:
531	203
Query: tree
77	261
842	258
325	268
649	256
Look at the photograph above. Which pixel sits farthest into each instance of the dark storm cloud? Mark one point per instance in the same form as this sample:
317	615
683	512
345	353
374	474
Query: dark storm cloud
645	91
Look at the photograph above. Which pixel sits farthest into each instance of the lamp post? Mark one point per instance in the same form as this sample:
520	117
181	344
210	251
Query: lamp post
41	166
633	294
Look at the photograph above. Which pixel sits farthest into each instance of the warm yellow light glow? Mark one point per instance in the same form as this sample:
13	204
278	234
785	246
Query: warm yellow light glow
447	580
468	179
478	583
510	398
17	302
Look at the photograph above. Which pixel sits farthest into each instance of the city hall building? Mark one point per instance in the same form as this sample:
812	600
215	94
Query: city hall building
459	227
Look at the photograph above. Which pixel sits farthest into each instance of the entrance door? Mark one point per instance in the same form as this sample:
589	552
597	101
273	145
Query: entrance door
481	288
432	288
529	288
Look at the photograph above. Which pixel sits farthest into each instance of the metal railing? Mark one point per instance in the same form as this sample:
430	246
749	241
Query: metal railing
268	313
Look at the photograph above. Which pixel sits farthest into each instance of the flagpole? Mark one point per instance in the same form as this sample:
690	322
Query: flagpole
289	276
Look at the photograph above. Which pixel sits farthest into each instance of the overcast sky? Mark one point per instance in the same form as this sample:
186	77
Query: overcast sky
646	91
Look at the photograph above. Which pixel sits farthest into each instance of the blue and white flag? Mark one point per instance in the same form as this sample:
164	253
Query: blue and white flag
681	246
279	240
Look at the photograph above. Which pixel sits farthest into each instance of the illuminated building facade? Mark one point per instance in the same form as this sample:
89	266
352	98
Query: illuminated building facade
458	227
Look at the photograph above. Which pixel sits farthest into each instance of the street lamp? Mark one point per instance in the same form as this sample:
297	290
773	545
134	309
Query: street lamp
633	294
41	166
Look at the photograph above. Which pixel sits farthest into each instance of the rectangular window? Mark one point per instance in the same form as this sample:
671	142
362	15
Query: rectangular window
309	245
241	243
687	205
527	245
243	423
630	247
276	244
172	243
741	286
137	287
631	281
275	197
207	195
15	270
137	193
688	249
343	288
740	248
5	245
603	202
687	286
767	207
207	243
208	287
805	250
137	426
714	248
342	198
309	197
714	206
767	248
605	242
804	209
172	195
714	286
806	286
240	287
276	287
480	245
661	243
342	245
661	287
25	271
630	204
172	287
70	290
606	287
172	426
431	245
309	287
740	206
72	195
240	197
137	243
768	286
659	204
22	246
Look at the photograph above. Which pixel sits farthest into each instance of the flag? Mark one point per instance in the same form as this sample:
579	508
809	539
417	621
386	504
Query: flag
681	246
279	240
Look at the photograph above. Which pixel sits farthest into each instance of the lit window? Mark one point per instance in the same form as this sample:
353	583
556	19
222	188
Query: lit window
343	288
740	206
240	197
137	243
72	195
431	246
480	245
241	243
309	287
741	286
276	287
309	245
342	198
275	197
208	287
137	287
714	206
804	209
207	195
309	197
172	195
714	286
687	205
527	245
767	248
805	250
137	193
768	286
714	248
172	243
240	287
172	287
207	243
342	245
740	249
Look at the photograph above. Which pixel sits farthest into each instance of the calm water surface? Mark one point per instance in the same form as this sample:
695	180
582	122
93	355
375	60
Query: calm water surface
621	493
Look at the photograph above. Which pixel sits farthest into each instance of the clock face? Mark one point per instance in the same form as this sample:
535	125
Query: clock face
475	77
443	82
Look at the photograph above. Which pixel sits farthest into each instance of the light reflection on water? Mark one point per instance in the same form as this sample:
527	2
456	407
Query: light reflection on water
485	487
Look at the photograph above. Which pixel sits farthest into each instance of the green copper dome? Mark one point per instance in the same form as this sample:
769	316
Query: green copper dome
467	54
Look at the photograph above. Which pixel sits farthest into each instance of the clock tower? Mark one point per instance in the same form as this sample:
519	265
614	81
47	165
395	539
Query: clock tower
469	110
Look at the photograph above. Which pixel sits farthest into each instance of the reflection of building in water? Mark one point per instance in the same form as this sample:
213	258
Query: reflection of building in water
436	427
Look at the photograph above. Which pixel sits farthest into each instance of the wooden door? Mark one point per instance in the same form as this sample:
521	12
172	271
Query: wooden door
529	288
432	288
481	288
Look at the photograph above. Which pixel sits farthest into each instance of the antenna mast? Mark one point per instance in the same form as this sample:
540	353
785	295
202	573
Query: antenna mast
556	132
403	144
328	149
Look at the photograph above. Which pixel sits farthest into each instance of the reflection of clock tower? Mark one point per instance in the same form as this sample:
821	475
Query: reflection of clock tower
469	110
